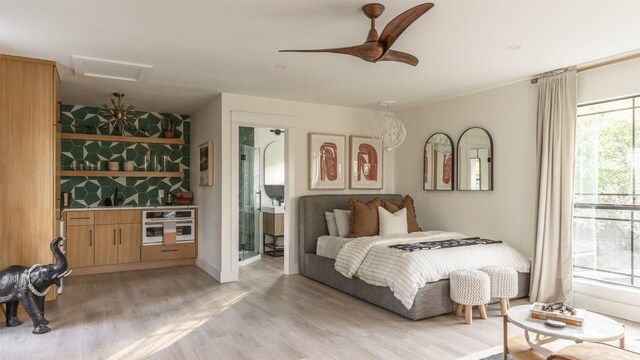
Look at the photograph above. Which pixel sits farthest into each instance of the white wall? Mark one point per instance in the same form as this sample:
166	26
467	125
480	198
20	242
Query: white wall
205	126
215	239
508	212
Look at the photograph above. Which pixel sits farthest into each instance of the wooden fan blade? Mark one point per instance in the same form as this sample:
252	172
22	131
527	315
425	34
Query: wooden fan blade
399	56
397	26
351	50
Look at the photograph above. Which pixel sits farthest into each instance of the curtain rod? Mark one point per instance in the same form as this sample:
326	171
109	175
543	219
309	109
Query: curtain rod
600	64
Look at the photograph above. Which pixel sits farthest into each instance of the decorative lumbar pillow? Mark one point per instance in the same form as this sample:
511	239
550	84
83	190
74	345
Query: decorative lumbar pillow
407	203
364	217
392	223
332	226
343	221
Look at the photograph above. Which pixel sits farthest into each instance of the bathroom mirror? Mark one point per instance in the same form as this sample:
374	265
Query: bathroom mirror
475	160
438	163
274	170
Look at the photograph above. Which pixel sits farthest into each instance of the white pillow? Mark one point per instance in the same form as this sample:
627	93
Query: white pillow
343	220
332	226
392	223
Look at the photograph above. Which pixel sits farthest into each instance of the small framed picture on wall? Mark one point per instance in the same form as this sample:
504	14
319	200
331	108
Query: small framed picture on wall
366	163
327	161
205	177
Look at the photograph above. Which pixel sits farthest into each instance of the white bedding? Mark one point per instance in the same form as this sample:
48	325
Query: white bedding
371	260
329	246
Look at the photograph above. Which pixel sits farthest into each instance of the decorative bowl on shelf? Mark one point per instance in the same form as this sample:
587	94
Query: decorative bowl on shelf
114	166
128	165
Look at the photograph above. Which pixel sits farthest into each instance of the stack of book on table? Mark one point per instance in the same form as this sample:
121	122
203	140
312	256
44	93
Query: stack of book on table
566	317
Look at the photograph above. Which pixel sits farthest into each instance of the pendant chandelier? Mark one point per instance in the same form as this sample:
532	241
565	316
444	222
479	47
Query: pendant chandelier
119	118
388	130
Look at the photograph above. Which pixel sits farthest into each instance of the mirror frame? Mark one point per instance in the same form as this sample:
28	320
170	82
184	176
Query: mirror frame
264	168
491	178
453	160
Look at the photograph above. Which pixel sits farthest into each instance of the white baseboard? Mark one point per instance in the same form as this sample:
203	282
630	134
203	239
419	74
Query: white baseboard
208	268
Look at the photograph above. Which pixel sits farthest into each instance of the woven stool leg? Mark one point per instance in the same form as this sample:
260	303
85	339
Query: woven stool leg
483	311
468	314
459	310
504	306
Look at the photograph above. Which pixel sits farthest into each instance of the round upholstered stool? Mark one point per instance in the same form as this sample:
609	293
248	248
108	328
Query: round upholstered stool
504	284
469	288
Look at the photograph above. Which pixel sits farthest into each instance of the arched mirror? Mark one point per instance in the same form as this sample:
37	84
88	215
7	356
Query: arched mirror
438	163
274	170
475	160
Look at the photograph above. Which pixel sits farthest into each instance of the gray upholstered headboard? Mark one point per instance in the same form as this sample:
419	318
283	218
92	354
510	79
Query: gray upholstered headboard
312	222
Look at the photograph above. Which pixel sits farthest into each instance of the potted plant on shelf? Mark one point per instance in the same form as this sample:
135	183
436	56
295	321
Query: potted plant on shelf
168	127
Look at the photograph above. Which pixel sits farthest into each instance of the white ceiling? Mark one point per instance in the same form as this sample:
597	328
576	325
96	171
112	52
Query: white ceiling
201	48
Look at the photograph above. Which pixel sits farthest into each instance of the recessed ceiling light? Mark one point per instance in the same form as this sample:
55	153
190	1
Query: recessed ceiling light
281	66
513	47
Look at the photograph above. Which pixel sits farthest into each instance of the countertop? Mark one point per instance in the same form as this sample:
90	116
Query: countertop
130	207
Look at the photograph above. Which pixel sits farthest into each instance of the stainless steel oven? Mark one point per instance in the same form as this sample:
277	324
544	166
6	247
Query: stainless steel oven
153	226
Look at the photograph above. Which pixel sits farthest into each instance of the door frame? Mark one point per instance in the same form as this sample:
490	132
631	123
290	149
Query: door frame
286	122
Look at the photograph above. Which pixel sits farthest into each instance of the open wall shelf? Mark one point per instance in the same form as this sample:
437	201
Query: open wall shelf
122	139
122	173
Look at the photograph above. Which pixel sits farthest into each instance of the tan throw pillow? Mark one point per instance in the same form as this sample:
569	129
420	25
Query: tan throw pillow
407	203
364	217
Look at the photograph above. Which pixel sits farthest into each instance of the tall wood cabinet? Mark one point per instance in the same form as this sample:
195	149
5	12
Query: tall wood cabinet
29	169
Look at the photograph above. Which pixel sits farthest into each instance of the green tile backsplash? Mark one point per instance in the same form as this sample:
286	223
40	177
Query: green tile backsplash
91	191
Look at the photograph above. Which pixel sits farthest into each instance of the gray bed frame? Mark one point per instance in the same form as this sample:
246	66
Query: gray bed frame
432	299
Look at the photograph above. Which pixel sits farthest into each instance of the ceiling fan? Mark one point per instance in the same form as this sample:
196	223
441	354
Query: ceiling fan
377	48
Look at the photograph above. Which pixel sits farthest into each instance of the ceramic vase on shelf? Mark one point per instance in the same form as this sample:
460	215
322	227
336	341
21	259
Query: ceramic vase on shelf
168	134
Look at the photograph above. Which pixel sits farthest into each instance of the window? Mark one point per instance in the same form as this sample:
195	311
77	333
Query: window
606	217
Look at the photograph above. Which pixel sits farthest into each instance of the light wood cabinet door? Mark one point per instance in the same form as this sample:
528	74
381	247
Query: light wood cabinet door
129	242
80	246
106	244
27	184
273	224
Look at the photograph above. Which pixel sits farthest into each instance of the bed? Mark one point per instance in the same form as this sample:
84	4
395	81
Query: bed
431	300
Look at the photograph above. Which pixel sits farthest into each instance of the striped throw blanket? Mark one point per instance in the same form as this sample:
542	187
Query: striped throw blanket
374	262
443	244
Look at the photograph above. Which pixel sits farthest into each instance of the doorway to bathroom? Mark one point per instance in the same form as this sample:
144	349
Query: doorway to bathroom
261	195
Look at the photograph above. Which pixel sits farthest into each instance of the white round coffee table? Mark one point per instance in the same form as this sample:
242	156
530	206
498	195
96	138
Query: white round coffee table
595	328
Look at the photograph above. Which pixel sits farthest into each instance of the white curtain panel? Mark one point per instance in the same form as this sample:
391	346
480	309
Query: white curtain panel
552	273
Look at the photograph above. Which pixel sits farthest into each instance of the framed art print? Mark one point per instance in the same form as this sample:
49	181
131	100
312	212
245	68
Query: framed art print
366	163
205	177
327	161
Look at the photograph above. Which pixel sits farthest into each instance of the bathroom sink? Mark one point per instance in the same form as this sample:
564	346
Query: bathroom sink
274	209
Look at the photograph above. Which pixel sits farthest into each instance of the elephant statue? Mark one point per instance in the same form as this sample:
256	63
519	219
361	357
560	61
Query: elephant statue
19	284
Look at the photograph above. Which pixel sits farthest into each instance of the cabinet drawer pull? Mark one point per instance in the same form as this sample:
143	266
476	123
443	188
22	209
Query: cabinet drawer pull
114	236
90	237
80	218
168	250
120	230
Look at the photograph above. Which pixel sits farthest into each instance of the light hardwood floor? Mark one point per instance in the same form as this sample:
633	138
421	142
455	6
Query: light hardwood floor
182	313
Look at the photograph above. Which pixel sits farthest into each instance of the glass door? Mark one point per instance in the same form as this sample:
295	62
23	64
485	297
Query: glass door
249	203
